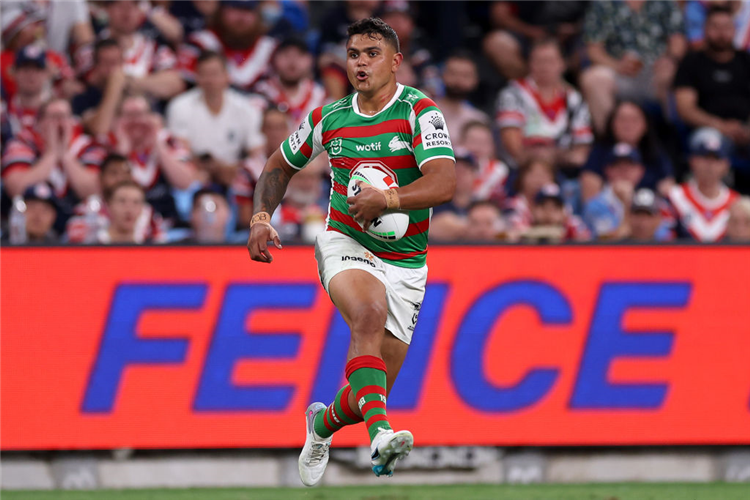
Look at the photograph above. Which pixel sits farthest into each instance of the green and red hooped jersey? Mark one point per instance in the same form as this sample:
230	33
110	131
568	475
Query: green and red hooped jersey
407	133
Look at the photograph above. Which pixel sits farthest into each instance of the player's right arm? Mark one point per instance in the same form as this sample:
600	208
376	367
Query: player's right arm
294	153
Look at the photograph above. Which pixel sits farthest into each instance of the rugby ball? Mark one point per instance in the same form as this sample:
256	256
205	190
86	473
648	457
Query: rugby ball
392	224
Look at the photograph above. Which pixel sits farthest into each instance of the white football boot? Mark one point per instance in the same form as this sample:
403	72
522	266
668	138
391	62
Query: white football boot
314	456
387	448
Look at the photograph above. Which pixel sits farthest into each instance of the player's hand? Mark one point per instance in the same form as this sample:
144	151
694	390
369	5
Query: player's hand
257	243
368	204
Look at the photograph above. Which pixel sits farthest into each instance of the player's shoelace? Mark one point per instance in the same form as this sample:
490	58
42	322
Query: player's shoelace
319	451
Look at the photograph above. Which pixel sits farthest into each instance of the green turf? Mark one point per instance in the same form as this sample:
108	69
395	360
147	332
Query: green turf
661	491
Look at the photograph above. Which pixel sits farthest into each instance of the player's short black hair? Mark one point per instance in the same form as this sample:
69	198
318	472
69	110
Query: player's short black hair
110	159
375	27
104	43
207	55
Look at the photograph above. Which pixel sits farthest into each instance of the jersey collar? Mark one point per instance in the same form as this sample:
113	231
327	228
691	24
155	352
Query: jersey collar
396	95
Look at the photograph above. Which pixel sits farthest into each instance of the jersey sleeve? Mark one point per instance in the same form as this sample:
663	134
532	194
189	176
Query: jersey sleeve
430	138
306	142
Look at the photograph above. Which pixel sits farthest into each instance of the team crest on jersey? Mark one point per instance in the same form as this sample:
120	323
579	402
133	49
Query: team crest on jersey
397	144
336	146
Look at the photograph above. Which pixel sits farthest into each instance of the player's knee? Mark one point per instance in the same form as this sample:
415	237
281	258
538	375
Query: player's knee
369	319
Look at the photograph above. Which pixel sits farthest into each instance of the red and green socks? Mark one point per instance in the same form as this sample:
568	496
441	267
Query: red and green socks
337	415
367	379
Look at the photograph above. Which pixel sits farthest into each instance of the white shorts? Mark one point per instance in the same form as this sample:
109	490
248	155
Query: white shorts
404	287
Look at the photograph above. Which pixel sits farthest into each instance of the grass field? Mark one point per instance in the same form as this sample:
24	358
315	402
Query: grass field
661	491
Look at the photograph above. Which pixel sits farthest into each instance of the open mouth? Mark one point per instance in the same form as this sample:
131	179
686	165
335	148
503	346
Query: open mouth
361	76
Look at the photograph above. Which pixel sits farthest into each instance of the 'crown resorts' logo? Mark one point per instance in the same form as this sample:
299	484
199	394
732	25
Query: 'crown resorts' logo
437	122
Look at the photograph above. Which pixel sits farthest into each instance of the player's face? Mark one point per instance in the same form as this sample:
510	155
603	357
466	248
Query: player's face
371	63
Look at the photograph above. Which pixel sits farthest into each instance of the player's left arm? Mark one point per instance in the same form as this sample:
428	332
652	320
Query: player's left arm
435	187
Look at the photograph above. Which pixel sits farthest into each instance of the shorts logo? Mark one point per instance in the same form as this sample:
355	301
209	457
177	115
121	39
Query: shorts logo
367	261
369	256
336	146
415	316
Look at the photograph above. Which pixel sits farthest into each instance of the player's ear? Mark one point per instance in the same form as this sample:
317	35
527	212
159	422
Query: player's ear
398	58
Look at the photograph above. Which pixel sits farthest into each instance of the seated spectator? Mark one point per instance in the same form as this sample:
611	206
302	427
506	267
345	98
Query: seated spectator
633	46
533	174
520	24
291	87
449	221
300	217
460	78
124	205
484	223
332	59
416	65
542	109
91	215
696	13
237	32
193	15
490	181
711	87
550	221
209	218
33	87
215	120
701	205
606	213
628	124
23	26
55	151
645	220
160	162
738	225
106	85
41	213
149	66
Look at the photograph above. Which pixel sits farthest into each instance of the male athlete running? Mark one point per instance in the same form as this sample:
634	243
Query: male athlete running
377	286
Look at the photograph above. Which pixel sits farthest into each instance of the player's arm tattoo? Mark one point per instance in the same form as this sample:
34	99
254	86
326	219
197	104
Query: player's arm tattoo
270	188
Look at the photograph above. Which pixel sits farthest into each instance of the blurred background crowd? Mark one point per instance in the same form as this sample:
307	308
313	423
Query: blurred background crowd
150	122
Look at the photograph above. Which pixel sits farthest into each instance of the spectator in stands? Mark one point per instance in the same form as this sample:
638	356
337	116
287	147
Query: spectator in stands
55	151
449	221
399	15
628	124
520	24
33	88
160	162
91	216
489	184
237	32
332	60
645	220
533	174
484	223
543	110
22	27
711	86
149	66
193	15
697	11
701	205
41	212
209	217
221	125
124	205
460	78
550	221
606	213
634	47
300	216
738	225
106	84
291	87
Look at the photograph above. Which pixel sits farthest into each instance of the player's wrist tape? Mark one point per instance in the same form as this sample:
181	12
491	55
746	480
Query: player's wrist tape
392	201
260	217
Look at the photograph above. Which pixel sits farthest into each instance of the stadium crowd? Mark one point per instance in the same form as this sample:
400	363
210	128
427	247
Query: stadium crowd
150	122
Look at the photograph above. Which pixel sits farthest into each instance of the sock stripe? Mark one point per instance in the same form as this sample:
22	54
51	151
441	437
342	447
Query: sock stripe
370	389
376	418
375	404
355	364
327	423
348	411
